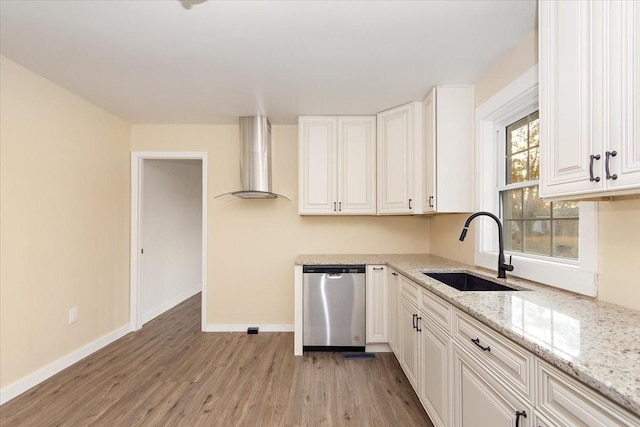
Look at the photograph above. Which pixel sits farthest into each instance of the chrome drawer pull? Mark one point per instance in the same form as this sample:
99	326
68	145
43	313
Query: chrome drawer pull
476	341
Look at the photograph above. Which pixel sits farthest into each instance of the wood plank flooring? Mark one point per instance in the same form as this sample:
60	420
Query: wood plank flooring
171	374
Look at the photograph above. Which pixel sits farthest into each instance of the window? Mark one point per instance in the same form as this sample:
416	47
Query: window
532	226
541	236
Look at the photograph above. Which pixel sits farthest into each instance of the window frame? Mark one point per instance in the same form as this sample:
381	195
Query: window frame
500	127
520	98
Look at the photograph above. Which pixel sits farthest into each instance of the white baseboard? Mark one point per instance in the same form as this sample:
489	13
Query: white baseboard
32	380
242	327
378	348
170	304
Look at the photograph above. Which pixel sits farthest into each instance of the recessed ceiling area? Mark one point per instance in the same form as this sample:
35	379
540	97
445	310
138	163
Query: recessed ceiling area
161	62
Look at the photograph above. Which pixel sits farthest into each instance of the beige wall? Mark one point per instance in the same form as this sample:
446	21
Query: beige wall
512	65
619	221
253	243
444	238
619	252
64	222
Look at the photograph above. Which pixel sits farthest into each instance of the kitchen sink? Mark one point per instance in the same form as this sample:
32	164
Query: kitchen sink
468	282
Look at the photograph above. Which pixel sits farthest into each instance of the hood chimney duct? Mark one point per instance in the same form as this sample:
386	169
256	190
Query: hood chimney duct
255	159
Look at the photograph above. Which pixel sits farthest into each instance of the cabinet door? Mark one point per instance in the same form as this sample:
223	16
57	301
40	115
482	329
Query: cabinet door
571	97
395	161
377	310
448	154
356	165
624	98
435	354
480	400
394	286
317	165
454	149
429	168
541	421
409	342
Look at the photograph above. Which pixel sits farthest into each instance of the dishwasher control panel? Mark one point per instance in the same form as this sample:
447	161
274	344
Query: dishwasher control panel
352	269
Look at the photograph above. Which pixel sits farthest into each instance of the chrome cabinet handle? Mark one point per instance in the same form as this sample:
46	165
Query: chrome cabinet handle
378	268
476	341
339	206
334	206
518	415
591	159
608	156
418	324
414	321
394	274
409	203
430	201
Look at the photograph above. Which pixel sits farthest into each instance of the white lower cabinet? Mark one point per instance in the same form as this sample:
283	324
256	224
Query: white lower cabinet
506	360
409	345
540	420
469	375
377	307
435	353
565	402
480	400
394	284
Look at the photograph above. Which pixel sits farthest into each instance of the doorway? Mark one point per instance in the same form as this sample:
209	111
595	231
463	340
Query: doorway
168	232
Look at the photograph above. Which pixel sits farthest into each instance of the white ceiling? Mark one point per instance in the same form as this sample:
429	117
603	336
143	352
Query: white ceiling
161	62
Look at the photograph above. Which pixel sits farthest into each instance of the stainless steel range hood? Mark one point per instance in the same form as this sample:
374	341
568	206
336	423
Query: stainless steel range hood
255	159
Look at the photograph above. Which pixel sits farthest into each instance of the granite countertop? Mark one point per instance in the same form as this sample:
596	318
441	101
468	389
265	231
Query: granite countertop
596	342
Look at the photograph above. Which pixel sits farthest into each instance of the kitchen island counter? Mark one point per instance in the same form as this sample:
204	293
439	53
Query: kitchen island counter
596	342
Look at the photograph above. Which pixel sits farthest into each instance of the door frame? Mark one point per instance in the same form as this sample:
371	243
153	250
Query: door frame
137	159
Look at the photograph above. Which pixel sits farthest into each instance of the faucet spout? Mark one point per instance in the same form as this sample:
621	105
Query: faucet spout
503	267
464	233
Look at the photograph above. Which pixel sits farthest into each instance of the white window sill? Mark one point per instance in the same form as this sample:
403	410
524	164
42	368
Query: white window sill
564	276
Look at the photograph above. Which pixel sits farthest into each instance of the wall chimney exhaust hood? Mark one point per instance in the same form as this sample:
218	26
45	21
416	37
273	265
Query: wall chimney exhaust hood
255	160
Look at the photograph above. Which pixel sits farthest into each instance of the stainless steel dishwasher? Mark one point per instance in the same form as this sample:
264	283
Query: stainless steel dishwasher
333	307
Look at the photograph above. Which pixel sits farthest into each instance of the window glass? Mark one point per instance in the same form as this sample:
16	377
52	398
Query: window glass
531	224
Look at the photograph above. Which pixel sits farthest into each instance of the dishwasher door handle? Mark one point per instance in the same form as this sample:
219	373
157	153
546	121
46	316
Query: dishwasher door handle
334	275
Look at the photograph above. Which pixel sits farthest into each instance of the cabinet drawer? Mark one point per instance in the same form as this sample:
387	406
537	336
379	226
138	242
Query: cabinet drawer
410	291
507	360
566	402
436	309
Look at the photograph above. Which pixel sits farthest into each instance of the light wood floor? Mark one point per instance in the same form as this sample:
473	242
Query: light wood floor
169	373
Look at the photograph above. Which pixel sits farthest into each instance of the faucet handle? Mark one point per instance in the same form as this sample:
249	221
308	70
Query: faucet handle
509	267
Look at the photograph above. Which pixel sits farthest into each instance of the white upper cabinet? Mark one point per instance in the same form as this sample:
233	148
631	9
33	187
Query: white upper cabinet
317	164
624	96
589	98
399	160
357	165
448	154
337	164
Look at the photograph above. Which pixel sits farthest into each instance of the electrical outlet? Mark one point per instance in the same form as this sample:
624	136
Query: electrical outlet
73	314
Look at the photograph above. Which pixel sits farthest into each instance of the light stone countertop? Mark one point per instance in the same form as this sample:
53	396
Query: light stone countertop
596	342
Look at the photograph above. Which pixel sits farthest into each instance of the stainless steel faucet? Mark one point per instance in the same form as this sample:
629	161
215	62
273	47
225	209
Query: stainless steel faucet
502	266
